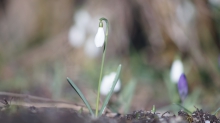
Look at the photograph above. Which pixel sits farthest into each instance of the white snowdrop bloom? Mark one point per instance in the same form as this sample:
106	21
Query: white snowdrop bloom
100	37
207	121
107	82
76	36
82	18
176	70
90	48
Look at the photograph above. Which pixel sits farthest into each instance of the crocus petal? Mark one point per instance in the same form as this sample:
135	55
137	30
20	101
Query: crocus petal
107	82
176	71
183	87
100	37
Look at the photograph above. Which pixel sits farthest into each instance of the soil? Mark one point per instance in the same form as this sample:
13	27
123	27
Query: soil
11	112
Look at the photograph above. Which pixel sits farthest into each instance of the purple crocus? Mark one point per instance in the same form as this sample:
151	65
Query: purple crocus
182	87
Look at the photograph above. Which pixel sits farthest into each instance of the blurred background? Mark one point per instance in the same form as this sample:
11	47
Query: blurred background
43	42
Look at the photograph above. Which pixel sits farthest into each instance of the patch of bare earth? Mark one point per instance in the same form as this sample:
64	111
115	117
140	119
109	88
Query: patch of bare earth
17	108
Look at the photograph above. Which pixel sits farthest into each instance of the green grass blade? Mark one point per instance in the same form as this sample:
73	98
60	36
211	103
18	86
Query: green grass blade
183	108
153	109
111	91
217	111
126	96
80	95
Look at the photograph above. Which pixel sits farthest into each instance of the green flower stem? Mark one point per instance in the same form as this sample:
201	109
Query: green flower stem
103	59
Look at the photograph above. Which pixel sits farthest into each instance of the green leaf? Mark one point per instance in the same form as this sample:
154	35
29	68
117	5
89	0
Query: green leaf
153	109
126	95
171	88
81	110
217	111
183	108
111	91
192	100
80	95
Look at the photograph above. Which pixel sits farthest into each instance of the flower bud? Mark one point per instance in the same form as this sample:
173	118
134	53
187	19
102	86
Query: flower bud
176	70
182	87
100	37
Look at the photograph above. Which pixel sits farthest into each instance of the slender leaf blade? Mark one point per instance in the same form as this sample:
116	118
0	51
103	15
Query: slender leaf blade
126	95
215	113
111	90
183	108
80	95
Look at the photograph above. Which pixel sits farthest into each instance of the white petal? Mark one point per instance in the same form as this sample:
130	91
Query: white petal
100	37
176	71
107	82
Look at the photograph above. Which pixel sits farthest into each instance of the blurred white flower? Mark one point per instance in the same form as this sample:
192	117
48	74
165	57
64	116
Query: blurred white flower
107	82
90	48
82	18
176	70
76	36
100	37
77	32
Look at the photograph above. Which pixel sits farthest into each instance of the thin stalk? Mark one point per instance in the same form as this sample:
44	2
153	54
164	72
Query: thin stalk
102	65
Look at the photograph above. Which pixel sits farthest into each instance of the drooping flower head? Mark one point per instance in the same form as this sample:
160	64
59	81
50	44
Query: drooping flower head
100	36
182	87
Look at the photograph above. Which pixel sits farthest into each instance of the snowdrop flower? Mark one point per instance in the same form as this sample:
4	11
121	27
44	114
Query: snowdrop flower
76	36
182	87
176	70
100	36
107	82
90	48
